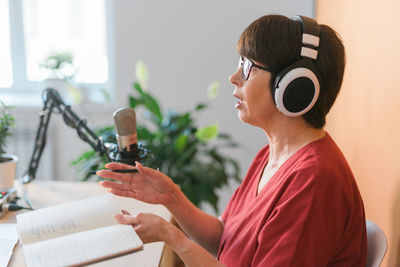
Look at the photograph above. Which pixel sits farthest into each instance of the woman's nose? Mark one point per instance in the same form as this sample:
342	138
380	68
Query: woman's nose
235	78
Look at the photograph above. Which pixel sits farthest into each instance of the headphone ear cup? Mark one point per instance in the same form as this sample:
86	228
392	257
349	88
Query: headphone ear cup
296	90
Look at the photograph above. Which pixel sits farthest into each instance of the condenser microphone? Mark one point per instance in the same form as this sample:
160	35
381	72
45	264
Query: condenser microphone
125	128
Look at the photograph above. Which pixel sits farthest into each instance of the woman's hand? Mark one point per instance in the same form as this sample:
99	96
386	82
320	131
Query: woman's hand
147	185
149	227
152	228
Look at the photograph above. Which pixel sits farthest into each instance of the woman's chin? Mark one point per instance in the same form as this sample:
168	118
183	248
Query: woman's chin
242	116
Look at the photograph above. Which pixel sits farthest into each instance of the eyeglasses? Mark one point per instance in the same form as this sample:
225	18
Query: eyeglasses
246	65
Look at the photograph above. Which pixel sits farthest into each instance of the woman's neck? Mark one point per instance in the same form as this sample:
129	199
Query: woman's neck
287	139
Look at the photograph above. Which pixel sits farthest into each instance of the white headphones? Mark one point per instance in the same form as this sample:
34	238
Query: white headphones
296	88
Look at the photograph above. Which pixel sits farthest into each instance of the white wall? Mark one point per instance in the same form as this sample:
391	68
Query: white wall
186	46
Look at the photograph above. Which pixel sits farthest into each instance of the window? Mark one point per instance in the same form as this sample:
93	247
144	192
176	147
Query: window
71	26
40	28
5	51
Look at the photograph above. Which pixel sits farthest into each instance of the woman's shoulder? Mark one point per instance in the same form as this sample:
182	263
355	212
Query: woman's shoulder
322	154
323	165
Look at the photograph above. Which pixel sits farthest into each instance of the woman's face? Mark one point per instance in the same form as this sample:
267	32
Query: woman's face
255	105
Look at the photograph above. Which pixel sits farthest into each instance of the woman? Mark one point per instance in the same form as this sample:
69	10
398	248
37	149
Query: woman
299	204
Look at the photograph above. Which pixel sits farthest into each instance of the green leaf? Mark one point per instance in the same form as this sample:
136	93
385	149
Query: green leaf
144	133
200	106
152	105
133	102
84	156
146	99
186	156
142	73
181	143
213	90
138	87
208	133
184	121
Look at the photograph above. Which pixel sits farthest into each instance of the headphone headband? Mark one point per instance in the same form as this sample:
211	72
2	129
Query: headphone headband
308	25
296	88
310	36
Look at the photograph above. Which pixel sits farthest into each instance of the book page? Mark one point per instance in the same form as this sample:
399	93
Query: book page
69	218
8	239
83	248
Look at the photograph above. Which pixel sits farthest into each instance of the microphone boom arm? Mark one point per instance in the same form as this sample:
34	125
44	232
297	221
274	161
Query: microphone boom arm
52	100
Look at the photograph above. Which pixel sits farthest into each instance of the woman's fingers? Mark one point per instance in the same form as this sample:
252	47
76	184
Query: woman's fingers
118	166
144	169
126	219
138	165
125	178
115	185
148	226
149	173
122	193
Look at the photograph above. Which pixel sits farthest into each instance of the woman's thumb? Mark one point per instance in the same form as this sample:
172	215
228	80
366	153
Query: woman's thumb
125	219
125	212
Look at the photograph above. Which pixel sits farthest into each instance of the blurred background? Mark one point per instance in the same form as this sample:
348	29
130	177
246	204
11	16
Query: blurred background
186	46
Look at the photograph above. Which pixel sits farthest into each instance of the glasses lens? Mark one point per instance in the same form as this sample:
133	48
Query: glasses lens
240	63
246	68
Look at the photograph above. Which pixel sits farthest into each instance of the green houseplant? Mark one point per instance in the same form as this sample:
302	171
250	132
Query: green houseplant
59	72
59	65
7	161
6	123
188	154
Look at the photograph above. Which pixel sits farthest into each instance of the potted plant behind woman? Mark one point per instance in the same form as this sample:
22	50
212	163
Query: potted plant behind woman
8	162
177	145
59	71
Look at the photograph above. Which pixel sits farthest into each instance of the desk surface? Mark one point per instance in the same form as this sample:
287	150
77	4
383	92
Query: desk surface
47	193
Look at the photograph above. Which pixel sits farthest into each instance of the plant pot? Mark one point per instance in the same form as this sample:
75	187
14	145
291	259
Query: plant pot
8	166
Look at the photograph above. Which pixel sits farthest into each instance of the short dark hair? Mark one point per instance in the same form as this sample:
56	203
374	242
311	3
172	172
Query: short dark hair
275	41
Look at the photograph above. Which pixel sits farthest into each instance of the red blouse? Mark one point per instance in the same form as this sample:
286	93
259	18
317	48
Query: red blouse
310	213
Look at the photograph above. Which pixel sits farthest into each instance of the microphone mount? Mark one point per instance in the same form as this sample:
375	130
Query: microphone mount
53	103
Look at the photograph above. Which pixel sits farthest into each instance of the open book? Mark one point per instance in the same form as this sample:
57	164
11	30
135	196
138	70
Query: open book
76	233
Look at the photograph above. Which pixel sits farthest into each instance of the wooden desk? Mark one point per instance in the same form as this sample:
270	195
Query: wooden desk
47	193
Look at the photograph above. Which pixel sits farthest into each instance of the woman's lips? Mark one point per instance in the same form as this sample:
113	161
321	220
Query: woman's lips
238	104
